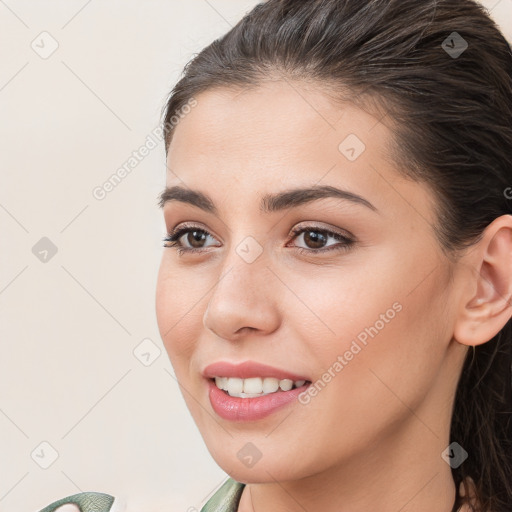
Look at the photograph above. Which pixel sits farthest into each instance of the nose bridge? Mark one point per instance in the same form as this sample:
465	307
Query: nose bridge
241	296
244	270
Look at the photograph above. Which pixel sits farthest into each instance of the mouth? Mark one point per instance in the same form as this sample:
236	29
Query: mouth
254	387
250	390
251	379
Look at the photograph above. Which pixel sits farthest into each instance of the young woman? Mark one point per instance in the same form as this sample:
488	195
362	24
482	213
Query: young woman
334	294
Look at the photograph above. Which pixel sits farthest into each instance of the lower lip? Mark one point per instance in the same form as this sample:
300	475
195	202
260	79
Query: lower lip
234	408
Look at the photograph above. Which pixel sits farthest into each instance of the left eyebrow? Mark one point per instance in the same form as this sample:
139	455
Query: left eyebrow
270	202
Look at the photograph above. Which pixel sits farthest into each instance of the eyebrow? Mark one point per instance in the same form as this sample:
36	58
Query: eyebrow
270	202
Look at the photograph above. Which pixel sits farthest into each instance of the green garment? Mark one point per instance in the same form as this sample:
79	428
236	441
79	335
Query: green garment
226	499
86	501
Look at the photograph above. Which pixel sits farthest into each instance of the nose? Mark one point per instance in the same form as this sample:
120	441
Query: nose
245	299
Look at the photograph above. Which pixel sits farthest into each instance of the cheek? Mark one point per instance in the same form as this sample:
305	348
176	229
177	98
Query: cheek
402	337
179	303
380	330
340	304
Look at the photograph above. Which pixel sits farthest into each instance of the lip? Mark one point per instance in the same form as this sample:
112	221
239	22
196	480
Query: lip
238	409
248	369
249	409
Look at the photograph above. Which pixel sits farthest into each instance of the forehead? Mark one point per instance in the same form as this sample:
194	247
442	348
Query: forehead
278	135
277	118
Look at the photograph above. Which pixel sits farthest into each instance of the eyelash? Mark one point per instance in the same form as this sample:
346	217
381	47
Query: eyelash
172	240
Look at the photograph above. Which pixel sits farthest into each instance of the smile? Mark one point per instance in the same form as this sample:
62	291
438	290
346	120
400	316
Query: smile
255	386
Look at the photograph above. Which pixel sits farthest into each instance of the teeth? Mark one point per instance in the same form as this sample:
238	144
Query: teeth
270	385
222	382
286	384
255	386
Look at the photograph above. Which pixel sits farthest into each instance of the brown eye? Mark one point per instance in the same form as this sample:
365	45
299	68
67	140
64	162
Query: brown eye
187	239
315	239
192	238
195	238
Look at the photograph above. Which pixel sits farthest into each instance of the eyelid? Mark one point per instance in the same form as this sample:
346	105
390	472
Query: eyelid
319	226
316	225
187	227
345	239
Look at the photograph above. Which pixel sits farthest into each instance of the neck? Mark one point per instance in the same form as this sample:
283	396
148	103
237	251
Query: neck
360	489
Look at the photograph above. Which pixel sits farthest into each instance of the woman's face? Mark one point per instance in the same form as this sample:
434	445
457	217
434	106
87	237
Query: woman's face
366	322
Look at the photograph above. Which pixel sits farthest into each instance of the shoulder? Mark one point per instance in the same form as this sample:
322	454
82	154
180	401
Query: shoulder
86	502
226	498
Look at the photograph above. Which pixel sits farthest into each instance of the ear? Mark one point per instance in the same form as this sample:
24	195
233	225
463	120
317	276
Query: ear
486	284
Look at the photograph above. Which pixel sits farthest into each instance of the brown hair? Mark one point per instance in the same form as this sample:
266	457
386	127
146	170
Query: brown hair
452	113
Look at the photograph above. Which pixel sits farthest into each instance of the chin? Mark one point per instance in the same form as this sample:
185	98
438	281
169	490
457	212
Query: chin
258	474
233	458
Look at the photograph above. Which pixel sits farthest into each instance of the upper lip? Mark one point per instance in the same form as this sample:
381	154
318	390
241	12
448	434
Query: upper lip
248	369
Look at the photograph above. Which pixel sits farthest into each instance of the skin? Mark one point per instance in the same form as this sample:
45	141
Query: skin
372	438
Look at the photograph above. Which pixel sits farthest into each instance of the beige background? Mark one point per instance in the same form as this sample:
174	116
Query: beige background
71	325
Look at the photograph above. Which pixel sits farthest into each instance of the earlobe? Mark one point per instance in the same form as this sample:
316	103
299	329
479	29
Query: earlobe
488	270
